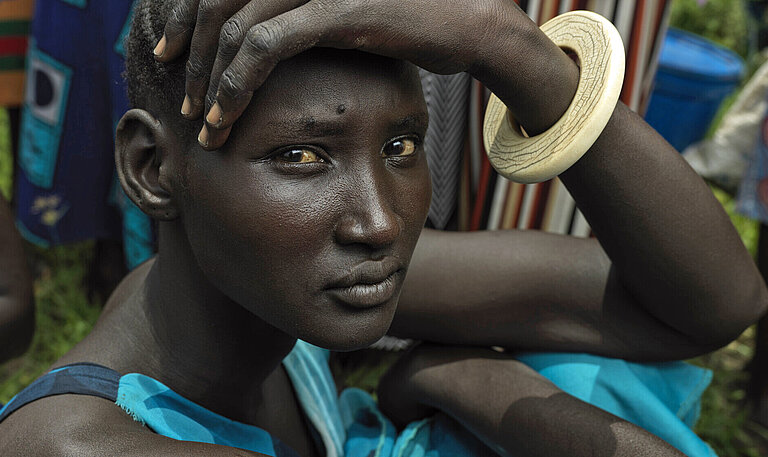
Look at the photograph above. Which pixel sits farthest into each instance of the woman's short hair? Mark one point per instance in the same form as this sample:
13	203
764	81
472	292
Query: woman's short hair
147	79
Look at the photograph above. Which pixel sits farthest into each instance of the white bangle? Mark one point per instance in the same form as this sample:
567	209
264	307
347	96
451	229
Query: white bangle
598	45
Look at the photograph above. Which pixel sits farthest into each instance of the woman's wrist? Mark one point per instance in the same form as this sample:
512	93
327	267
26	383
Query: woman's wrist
529	73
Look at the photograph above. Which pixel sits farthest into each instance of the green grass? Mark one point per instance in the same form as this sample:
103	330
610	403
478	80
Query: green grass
724	422
64	313
722	21
6	158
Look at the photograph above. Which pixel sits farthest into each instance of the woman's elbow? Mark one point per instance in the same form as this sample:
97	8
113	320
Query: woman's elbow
735	308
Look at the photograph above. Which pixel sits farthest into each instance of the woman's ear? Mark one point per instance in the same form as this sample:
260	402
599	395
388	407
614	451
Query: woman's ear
144	163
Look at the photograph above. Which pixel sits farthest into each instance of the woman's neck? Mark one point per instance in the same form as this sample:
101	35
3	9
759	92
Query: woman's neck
182	331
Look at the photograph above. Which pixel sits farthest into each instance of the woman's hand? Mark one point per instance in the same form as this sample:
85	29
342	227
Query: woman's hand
235	44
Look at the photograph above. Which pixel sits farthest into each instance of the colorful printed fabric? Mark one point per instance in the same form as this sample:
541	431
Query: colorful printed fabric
14	30
75	95
663	398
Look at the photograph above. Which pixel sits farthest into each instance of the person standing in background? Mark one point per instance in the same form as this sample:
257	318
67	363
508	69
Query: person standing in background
75	54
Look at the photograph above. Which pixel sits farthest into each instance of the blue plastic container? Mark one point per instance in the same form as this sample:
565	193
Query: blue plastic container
693	78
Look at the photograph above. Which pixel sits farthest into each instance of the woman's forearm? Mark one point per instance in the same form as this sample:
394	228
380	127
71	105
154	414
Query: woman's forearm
672	246
511	408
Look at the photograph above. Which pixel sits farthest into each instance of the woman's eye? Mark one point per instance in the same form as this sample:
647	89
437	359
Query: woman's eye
300	155
400	147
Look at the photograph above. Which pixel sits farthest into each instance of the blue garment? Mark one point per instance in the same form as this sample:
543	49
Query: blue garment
661	397
74	96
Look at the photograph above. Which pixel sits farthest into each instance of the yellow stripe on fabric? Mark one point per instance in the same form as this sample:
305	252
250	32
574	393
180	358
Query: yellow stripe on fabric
11	88
16	9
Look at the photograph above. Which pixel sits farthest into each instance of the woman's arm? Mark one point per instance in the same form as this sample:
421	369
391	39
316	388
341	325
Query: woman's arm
672	278
669	279
510	407
17	312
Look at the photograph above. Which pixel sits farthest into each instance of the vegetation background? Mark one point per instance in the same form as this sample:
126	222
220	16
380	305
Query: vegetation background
65	312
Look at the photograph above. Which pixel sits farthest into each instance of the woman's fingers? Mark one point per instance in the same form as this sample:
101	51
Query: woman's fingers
211	15
263	47
233	34
178	31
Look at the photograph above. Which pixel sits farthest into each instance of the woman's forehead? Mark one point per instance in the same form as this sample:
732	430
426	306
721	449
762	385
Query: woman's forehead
314	90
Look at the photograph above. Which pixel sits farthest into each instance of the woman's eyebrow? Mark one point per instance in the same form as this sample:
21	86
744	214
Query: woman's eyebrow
309	125
312	126
413	122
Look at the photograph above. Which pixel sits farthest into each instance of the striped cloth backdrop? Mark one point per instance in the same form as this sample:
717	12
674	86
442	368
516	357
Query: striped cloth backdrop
467	193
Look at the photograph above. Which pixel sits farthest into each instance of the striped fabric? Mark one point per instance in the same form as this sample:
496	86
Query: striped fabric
447	97
487	201
14	28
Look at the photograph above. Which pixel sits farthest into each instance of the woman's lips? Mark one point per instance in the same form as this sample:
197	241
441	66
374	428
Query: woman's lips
368	284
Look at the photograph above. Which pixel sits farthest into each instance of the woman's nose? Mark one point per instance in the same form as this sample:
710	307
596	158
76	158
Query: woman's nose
370	220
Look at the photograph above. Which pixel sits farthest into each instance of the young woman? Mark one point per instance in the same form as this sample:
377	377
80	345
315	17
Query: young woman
303	225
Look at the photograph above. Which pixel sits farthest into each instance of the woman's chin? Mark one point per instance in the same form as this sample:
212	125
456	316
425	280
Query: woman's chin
348	339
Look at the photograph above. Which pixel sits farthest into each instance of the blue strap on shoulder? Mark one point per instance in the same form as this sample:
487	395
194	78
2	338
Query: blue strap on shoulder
79	378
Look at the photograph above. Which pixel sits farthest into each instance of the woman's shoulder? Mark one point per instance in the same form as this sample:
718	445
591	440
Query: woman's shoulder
64	425
74	425
90	410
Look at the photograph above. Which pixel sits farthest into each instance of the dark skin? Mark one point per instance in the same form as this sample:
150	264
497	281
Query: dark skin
660	283
17	310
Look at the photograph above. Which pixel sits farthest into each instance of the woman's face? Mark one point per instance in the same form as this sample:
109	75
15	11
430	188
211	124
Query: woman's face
309	215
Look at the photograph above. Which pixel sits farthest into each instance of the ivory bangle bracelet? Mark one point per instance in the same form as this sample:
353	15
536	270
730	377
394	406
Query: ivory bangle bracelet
600	50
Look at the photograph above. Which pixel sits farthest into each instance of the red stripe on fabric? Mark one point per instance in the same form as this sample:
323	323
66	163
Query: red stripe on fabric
482	190
540	204
655	54
13	46
555	9
466	187
485	174
634	49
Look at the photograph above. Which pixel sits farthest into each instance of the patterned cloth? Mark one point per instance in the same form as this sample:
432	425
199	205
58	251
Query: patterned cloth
14	28
663	398
75	95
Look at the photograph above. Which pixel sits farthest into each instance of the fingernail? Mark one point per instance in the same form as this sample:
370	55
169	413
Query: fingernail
214	115
160	48
186	107
202	138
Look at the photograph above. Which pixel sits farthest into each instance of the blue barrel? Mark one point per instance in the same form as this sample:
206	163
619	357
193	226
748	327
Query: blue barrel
693	78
